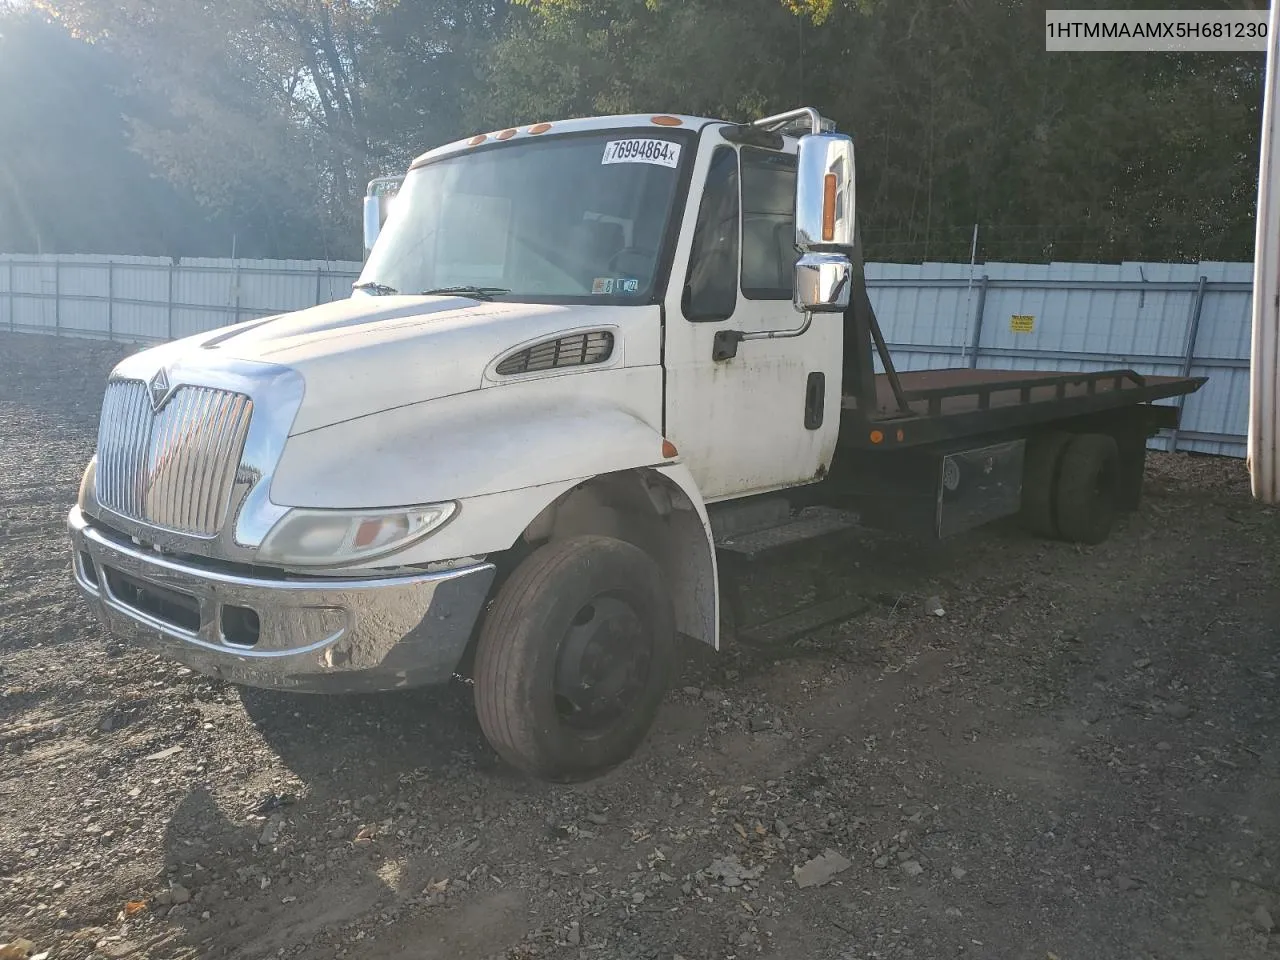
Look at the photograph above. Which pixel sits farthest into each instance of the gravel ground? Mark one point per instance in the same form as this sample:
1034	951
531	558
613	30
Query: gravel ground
1077	760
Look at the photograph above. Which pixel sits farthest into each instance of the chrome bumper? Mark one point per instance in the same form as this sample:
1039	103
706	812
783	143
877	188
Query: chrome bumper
312	634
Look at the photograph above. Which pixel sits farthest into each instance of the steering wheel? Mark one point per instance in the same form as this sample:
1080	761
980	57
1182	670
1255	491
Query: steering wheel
645	260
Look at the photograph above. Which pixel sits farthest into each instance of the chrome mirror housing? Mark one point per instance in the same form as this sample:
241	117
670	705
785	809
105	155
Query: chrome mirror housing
377	204
825	194
824	223
822	283
372	222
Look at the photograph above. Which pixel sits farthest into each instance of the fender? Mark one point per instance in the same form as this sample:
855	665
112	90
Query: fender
505	455
693	565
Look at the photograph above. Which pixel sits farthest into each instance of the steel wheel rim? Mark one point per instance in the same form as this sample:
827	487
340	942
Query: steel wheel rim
602	665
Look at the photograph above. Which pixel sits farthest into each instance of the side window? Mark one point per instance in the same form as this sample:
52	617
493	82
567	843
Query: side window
711	292
768	224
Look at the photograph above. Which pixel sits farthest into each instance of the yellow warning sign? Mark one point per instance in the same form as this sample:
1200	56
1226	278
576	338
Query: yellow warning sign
1022	323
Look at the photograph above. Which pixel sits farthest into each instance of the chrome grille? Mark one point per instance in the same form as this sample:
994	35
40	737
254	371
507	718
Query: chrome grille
174	469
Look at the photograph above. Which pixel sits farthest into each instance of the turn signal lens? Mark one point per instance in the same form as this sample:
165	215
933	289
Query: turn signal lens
829	208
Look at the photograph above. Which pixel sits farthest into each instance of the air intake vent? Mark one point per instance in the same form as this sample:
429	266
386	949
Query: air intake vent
574	351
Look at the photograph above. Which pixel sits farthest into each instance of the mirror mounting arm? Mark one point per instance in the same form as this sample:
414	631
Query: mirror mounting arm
725	344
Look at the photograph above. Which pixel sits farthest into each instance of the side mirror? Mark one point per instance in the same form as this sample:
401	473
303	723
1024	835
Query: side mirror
822	283
377	203
824	193
372	222
824	223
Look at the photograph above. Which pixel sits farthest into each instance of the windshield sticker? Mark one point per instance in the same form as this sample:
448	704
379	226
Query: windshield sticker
662	152
615	285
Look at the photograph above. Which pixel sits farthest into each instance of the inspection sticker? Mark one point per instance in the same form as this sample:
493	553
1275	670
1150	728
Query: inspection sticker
615	285
662	152
1022	323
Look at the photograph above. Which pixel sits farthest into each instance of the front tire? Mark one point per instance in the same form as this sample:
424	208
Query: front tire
574	658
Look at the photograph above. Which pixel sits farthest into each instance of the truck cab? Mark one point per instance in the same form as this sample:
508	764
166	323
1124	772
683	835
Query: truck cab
578	353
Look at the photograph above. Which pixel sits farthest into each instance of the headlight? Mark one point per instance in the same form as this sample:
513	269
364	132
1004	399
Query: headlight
326	537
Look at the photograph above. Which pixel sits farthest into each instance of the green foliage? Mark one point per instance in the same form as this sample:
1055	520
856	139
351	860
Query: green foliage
68	181
276	112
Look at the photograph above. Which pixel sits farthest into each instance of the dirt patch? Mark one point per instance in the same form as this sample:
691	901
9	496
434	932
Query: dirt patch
1077	759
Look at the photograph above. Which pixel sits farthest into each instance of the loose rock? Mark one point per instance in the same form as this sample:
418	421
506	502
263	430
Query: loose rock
270	833
911	868
821	869
1262	919
731	873
1177	710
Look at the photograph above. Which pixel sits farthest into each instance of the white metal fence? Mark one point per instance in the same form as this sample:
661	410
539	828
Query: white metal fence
151	299
1155	318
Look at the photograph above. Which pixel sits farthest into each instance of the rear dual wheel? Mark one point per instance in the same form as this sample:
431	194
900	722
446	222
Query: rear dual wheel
1071	485
575	657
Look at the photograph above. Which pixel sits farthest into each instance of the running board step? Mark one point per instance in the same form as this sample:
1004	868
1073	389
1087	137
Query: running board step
810	523
803	621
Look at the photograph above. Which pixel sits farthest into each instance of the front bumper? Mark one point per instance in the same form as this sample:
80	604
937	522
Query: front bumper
301	633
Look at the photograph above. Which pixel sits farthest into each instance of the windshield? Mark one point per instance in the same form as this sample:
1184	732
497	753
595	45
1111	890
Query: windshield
557	219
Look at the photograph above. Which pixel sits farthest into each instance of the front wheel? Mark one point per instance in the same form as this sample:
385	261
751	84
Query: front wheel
574	658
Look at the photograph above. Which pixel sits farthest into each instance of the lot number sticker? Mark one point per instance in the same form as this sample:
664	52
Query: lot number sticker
662	152
1022	323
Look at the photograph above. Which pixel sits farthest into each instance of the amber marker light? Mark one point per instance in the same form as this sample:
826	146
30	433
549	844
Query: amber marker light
829	208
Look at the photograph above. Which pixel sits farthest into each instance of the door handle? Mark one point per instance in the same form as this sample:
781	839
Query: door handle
815	399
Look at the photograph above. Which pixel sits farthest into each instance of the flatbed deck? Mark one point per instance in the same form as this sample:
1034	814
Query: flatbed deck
954	403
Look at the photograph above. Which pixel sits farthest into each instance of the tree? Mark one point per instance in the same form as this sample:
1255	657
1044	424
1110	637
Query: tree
68	181
261	103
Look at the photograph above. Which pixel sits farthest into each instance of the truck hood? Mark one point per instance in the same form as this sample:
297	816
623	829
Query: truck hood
363	355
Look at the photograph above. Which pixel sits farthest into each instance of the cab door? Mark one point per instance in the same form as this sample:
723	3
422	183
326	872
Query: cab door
766	417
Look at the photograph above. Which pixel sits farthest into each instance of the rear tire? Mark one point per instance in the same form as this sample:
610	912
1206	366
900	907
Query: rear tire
575	657
1039	482
1087	489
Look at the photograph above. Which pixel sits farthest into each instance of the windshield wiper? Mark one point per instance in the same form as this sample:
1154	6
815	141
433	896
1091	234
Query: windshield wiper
476	293
376	288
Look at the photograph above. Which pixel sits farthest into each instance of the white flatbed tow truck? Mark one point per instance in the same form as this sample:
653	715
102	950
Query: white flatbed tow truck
582	358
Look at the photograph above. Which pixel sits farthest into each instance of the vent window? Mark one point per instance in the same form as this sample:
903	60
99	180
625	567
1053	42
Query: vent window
574	351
